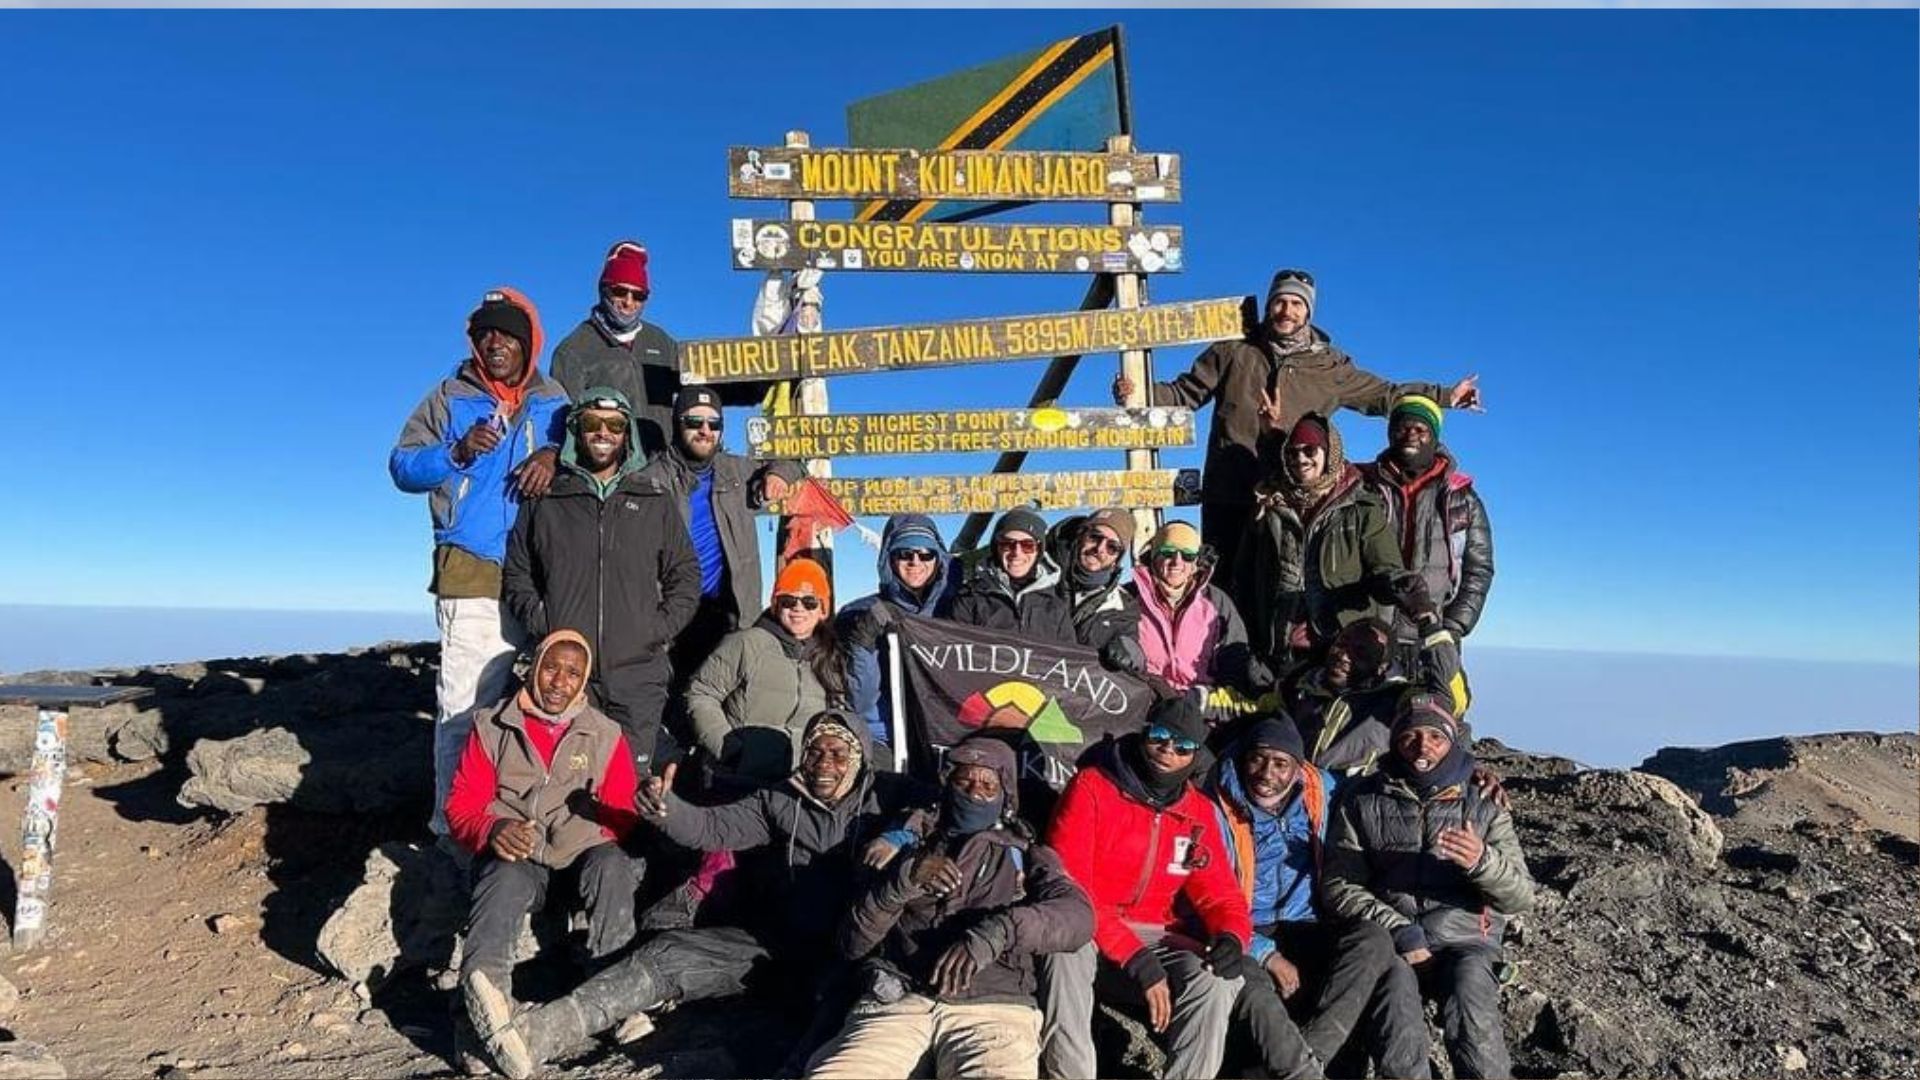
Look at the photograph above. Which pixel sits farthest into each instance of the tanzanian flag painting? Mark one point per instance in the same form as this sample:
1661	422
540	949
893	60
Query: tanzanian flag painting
1070	95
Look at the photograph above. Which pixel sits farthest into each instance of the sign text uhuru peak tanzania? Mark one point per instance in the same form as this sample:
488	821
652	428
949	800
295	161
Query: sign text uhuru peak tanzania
1020	337
1038	175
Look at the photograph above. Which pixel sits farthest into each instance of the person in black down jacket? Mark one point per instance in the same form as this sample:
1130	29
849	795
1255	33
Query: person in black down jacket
1015	588
1416	848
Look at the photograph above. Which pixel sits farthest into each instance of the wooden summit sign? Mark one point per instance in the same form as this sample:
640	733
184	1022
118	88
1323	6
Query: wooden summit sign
779	244
969	431
779	172
992	493
974	341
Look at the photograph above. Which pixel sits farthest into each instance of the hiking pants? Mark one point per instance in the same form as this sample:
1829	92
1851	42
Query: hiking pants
479	640
970	1041
1202	1008
1343	969
504	893
635	697
1462	980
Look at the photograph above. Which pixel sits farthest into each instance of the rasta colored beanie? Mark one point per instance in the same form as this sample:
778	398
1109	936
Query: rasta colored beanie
1419	407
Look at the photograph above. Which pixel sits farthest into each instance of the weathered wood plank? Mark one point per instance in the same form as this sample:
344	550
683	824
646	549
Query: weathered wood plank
778	172
973	341
968	431
776	244
878	496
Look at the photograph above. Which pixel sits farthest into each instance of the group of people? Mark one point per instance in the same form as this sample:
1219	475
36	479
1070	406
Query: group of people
1293	849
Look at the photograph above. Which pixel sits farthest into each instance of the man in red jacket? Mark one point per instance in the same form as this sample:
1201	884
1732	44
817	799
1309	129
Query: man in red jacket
1137	837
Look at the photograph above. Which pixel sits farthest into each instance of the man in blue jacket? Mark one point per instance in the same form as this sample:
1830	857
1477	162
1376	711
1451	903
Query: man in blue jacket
1272	805
916	577
477	444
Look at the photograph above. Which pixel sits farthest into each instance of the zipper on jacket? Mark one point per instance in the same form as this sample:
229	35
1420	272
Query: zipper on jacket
1153	856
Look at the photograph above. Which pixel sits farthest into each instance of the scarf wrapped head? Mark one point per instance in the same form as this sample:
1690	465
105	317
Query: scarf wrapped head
835	725
1313	429
575	704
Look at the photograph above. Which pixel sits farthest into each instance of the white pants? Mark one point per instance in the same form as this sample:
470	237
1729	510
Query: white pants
478	643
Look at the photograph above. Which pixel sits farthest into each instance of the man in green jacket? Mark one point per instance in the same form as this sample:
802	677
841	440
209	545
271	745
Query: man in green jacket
1264	384
1418	849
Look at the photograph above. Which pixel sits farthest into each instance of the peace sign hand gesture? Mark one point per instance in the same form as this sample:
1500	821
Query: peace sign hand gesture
1270	413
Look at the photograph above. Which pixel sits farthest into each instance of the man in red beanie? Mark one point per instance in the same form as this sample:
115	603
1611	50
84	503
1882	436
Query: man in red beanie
614	347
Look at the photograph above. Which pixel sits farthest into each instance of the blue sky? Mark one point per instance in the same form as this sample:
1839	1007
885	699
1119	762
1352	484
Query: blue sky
1678	248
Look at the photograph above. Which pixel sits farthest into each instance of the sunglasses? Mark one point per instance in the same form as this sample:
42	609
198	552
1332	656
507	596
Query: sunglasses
701	423
1025	547
915	555
1172	553
627	292
1180	743
788	601
1106	544
1297	275
589	424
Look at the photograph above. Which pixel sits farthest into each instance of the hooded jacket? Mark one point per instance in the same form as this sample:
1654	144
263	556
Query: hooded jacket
571	776
1036	610
799	849
862	624
1382	865
1319	378
1016	896
751	701
646	372
1276	856
1200	643
1134	859
617	567
1305	578
473	506
1441	526
1347	732
734	501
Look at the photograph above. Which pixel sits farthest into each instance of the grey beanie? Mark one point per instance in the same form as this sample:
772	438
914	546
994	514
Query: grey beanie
1021	519
1291	283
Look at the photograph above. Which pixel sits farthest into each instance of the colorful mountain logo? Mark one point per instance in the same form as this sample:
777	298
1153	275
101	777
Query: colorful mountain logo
1020	705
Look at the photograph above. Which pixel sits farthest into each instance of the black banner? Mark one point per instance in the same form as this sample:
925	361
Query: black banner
1051	700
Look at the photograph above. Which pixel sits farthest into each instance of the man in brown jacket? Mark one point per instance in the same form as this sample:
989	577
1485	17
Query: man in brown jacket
1264	384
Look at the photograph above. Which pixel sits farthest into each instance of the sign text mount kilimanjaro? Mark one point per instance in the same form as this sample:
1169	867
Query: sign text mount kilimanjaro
1023	175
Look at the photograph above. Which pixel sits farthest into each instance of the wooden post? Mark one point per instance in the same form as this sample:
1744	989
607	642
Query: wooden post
1129	292
33	881
810	397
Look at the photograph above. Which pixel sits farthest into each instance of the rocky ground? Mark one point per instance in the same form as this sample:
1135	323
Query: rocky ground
243	889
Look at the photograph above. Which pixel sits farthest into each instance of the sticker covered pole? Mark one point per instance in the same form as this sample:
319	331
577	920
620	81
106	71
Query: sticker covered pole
1129	293
809	399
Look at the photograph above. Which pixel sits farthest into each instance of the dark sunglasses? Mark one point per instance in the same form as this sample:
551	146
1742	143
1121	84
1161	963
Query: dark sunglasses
1297	275
915	555
589	424
701	423
1171	553
1106	544
1180	743
1022	546
627	292
787	602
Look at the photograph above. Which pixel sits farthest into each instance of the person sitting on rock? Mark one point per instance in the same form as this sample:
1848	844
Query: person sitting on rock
950	937
1344	705
1138	837
754	697
1014	589
1272	806
1419	850
544	786
799	842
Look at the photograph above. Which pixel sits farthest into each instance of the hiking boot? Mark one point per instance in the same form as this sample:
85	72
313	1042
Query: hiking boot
492	1015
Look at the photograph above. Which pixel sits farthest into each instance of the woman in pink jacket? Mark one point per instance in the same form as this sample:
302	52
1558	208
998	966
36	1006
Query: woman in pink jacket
1190	633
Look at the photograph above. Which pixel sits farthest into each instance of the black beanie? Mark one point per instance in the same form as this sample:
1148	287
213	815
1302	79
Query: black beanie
1180	715
692	397
1020	519
1276	733
506	317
